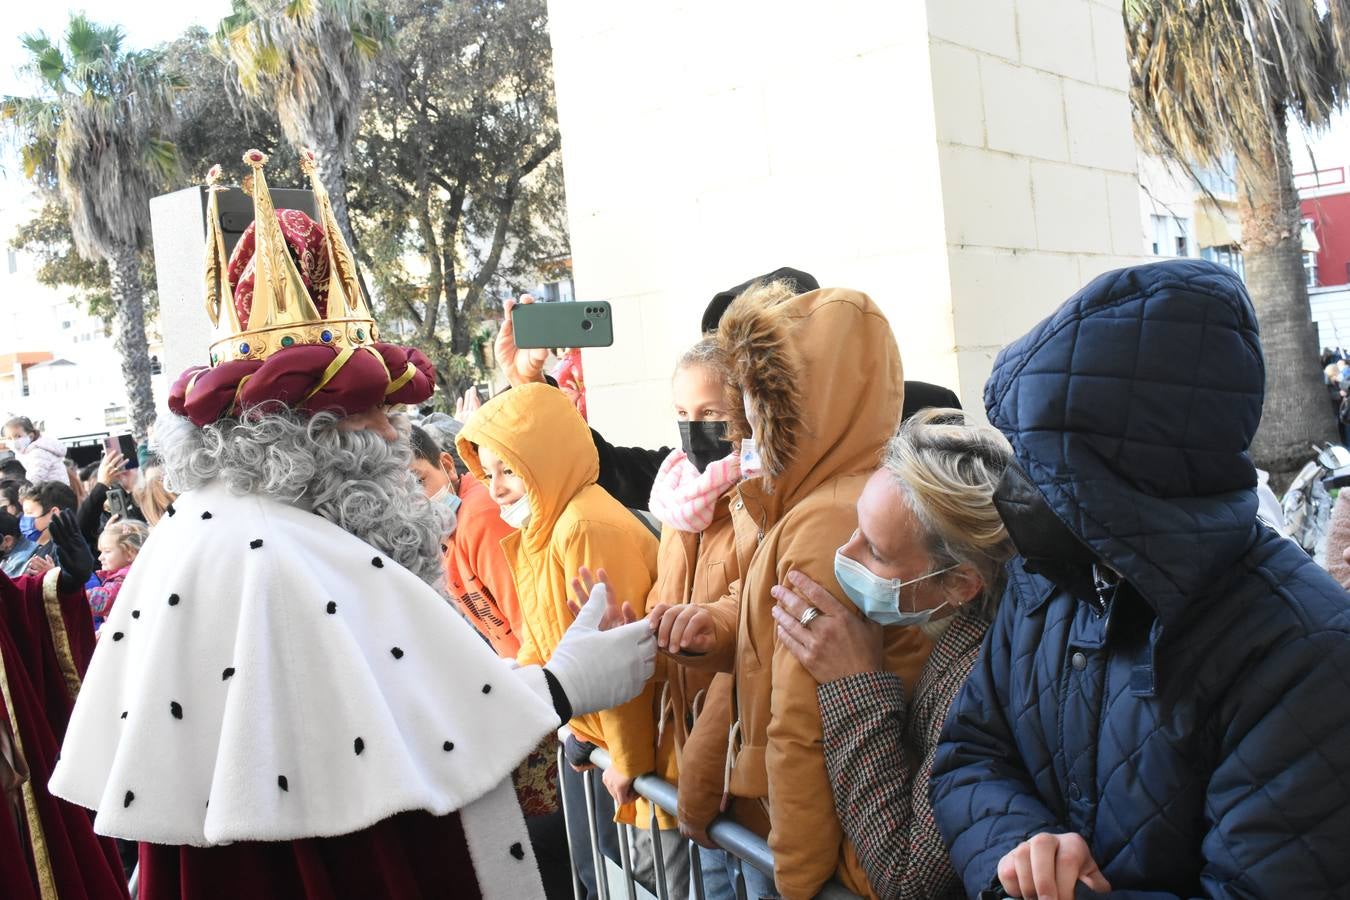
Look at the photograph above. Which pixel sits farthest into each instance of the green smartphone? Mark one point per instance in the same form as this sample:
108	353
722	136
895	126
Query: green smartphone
563	324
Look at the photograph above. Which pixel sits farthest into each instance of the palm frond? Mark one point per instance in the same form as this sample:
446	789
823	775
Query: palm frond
1211	78
97	130
309	59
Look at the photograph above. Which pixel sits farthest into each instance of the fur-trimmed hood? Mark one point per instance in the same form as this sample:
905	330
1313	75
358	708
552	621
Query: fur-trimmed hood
822	381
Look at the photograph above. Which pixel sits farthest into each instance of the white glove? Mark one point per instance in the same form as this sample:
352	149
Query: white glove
601	669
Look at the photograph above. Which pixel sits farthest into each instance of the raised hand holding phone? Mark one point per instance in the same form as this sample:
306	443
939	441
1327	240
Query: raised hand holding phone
521	366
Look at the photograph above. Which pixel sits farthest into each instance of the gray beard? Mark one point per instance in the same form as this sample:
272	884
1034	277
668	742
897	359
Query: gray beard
355	479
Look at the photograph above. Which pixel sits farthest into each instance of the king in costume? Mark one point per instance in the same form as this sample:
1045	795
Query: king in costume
282	705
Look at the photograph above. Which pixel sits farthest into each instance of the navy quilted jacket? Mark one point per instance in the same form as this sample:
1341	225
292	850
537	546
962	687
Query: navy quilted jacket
1195	730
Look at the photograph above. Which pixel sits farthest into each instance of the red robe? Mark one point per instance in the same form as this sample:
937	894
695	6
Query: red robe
412	856
48	849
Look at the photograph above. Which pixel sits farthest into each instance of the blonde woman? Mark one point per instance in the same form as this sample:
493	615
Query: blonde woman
929	552
152	498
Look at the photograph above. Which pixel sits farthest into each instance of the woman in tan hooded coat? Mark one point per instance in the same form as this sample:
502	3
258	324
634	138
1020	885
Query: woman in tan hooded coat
823	388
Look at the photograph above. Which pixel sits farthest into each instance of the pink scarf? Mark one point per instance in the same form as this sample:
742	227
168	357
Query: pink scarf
683	498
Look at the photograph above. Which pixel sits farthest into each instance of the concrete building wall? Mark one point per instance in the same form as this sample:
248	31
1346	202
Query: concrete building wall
968	164
1038	171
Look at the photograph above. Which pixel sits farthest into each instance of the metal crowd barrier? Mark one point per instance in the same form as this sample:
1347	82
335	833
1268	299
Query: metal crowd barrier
743	845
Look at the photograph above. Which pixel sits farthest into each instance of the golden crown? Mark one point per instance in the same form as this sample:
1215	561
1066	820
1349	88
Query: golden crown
283	314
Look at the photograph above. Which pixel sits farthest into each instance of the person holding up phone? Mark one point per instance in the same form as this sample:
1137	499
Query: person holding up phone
628	473
110	499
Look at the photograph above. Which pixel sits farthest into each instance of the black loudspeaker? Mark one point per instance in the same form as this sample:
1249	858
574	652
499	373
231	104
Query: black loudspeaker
236	209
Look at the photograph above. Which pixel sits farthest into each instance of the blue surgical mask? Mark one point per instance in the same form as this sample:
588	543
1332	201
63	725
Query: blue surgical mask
27	524
448	497
877	597
450	500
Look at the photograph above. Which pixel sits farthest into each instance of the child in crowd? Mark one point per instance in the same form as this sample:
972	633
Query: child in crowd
696	564
535	454
823	389
478	576
118	547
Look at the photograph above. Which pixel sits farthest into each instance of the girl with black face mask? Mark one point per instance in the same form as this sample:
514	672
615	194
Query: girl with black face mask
696	566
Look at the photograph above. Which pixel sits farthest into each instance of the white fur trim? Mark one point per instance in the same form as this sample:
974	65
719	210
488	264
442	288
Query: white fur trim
199	757
494	827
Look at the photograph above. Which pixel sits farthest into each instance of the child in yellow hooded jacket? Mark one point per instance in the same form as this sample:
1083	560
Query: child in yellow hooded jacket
536	456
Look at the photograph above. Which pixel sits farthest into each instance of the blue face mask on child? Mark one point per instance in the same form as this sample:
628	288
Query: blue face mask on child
27	524
877	597
451	501
448	497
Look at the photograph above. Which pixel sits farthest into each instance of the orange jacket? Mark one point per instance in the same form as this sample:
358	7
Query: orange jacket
477	572
537	431
691	568
822	380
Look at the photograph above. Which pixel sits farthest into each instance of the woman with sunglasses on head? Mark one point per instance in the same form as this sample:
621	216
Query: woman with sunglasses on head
929	553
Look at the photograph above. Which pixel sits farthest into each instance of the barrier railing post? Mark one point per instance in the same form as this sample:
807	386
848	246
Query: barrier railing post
601	873
568	827
695	871
739	868
742	846
626	859
659	859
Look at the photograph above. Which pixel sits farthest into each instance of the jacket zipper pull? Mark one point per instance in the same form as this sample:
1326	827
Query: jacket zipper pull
1106	582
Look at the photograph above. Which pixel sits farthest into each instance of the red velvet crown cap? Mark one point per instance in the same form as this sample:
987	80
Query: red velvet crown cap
306	377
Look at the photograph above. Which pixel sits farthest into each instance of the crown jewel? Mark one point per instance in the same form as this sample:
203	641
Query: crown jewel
284	313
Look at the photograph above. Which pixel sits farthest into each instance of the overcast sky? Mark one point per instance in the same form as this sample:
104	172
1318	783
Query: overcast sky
146	23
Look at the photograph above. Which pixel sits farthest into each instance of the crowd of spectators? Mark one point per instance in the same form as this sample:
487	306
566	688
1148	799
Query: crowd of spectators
113	501
922	655
1051	651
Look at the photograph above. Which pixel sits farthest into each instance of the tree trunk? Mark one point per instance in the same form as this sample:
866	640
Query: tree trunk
129	311
1295	414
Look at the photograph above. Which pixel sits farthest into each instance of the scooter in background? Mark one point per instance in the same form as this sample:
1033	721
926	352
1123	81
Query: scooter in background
1307	504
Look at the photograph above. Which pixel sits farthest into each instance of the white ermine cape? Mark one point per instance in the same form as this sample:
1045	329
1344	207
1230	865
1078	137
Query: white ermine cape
267	676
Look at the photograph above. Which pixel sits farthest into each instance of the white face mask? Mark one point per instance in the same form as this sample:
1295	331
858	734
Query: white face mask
751	465
517	514
21	443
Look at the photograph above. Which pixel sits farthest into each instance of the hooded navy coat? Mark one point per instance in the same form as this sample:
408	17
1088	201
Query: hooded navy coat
1193	724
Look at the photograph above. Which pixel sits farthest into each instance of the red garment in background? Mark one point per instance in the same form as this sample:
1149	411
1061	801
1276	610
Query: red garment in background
37	669
570	380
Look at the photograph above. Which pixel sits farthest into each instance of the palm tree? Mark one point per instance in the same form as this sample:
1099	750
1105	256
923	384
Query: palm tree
94	135
1214	78
308	59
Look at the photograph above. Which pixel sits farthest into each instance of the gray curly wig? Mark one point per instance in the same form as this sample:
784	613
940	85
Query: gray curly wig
355	479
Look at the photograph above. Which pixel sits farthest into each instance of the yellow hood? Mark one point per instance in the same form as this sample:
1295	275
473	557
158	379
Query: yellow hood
542	437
